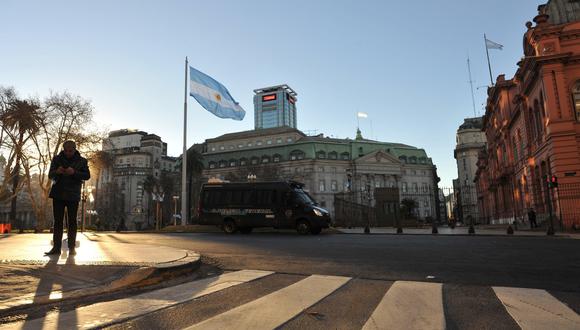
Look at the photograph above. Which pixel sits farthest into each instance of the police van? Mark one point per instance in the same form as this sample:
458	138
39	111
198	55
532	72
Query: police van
244	206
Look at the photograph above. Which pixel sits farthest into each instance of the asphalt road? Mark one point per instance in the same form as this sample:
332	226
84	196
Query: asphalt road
531	262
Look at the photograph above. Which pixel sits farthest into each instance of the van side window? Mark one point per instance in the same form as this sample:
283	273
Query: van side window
237	197
225	197
249	197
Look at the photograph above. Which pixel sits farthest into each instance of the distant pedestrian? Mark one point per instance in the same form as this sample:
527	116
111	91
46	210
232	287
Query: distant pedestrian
532	218
67	171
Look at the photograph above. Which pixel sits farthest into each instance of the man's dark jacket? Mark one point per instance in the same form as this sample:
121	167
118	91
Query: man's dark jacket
68	187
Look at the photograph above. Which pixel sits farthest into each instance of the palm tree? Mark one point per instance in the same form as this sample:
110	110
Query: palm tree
20	120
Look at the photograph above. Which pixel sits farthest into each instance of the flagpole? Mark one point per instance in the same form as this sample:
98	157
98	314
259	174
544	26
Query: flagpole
184	156
488	62
471	84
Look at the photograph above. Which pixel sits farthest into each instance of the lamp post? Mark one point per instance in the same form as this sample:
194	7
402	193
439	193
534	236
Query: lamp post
175	199
251	177
158	197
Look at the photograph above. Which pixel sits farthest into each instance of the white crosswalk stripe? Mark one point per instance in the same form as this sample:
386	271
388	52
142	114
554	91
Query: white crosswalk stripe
409	305
104	313
537	309
276	308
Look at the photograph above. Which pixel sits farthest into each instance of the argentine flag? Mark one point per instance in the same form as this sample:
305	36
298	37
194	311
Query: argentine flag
213	96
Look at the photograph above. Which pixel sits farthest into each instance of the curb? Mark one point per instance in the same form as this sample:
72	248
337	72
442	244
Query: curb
466	234
140	277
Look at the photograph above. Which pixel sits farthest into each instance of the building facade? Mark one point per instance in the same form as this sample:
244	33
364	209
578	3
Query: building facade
135	156
275	107
470	141
327	166
532	126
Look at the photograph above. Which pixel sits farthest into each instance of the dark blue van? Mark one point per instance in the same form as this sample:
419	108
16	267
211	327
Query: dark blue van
244	206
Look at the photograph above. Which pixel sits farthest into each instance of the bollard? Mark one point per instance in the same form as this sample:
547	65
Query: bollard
510	230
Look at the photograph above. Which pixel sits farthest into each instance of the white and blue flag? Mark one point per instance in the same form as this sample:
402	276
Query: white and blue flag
213	96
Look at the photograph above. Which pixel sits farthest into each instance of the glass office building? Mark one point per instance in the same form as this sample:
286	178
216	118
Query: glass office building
274	107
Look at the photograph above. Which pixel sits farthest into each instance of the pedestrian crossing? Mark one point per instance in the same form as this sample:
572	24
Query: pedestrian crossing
314	301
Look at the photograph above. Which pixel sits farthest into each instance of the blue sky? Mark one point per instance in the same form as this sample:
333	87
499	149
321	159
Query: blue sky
404	62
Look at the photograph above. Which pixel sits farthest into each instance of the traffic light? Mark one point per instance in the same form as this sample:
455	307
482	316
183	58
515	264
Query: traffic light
554	181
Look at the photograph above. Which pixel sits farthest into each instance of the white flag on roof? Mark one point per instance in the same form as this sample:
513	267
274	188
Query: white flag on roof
362	114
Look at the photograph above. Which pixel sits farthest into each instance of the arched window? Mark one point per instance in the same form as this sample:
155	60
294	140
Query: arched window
223	163
403	159
296	155
321	155
212	165
233	163
576	98
243	161
413	160
265	159
345	156
422	160
276	158
332	155
255	160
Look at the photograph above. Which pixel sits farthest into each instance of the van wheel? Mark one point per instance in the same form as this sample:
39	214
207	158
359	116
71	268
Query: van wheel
315	230
246	230
230	227
303	227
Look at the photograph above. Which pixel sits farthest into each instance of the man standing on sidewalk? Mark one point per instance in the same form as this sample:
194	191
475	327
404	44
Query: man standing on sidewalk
532	218
67	171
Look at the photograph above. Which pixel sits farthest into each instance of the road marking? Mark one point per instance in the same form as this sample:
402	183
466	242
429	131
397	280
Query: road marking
102	314
409	305
537	309
277	308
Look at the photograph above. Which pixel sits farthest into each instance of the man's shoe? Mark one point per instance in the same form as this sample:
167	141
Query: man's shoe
72	252
52	252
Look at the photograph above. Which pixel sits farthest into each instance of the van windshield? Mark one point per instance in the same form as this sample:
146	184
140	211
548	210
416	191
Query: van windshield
303	197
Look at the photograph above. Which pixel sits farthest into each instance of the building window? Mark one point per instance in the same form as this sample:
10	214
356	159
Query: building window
233	163
223	164
231	147
258	143
279	140
404	187
425	187
403	159
321	186
243	162
276	158
222	148
332	155
255	161
250	144
345	156
415	188
321	155
334	185
413	160
576	97
240	145
289	139
269	142
296	155
321	169
212	164
265	159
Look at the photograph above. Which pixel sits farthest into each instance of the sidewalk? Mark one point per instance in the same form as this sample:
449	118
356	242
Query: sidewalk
29	277
458	231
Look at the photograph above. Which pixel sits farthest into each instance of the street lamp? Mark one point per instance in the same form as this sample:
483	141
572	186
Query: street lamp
251	177
175	199
158	197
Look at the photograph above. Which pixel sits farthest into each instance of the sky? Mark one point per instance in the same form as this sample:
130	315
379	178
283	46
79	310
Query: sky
402	62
